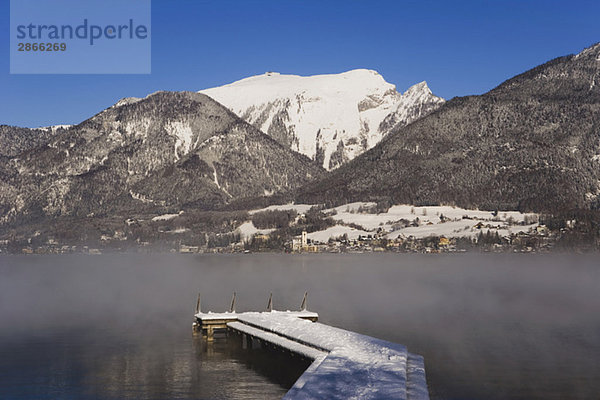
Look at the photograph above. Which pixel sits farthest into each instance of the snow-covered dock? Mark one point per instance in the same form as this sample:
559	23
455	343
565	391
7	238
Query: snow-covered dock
346	365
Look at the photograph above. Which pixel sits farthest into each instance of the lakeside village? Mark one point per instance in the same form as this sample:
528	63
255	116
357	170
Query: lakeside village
351	228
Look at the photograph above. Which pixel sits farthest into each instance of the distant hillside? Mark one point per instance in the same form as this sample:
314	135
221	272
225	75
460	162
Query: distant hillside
15	140
532	143
169	150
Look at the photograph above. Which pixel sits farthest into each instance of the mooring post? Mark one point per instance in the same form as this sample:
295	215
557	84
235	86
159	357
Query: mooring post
270	303
232	308
198	305
196	327
303	305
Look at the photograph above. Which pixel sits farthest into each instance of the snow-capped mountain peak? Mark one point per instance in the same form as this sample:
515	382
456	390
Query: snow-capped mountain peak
126	101
420	88
331	118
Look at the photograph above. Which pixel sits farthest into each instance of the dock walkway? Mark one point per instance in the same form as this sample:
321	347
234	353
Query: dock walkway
346	365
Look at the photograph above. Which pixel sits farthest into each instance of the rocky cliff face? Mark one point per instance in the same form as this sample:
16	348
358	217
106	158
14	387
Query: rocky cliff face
329	118
532	143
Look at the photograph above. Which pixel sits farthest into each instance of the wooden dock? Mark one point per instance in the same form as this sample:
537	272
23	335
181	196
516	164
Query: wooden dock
346	365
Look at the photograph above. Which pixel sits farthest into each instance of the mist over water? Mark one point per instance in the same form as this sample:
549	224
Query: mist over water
119	326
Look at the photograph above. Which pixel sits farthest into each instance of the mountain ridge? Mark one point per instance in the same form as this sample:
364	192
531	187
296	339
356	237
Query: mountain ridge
147	153
331	118
530	144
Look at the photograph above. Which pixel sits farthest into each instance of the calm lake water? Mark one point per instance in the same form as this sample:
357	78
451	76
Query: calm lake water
119	326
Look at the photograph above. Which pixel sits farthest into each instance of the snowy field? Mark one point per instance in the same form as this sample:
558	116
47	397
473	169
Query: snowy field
247	230
337	231
403	221
299	208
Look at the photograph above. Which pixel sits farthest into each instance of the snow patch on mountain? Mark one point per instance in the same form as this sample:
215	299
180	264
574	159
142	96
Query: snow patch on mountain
330	118
126	101
54	128
183	134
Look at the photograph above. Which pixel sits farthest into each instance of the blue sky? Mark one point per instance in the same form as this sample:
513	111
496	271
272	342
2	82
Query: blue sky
459	48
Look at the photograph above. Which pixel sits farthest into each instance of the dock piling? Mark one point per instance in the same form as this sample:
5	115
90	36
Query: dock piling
198	305
270	303
232	308
303	305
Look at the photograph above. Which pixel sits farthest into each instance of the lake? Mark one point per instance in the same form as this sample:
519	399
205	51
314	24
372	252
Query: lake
490	326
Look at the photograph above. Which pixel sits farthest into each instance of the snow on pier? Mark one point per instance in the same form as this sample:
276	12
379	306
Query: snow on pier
346	365
295	347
